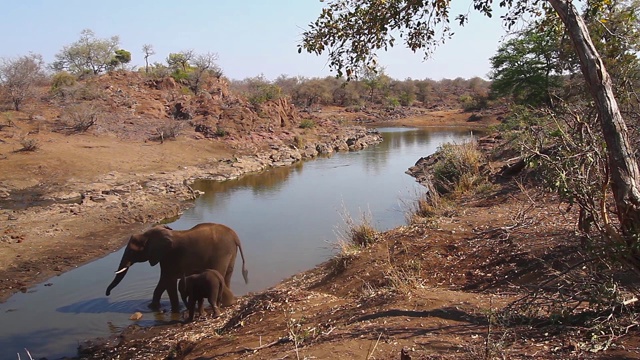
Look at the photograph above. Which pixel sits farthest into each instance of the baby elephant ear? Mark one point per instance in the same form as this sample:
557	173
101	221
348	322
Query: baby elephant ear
158	244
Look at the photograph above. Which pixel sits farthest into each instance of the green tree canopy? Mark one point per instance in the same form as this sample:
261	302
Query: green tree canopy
527	67
87	55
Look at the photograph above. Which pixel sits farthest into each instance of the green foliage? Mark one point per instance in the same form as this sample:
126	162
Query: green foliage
193	69
120	58
88	55
471	102
307	124
61	80
258	90
392	102
407	98
527	68
220	132
179	61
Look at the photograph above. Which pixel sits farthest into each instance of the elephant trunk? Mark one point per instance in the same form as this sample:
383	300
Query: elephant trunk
125	263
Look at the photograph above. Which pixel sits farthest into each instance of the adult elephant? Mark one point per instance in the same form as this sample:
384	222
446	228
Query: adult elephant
181	253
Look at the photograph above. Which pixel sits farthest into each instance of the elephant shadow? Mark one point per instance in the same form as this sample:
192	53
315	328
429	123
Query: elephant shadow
103	305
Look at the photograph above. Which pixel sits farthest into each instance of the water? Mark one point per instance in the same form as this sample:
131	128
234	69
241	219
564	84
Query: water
287	218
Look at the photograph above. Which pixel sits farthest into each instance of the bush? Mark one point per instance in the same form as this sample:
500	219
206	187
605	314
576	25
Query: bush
393	102
220	132
79	118
62	80
307	124
168	131
29	144
265	92
457	168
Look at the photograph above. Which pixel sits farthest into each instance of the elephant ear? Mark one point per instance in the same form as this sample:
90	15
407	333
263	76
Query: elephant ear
159	241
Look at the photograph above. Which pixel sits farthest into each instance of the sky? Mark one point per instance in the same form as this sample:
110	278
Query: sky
251	37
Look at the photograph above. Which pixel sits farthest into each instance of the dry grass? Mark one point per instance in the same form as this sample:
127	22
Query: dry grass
458	168
29	144
79	118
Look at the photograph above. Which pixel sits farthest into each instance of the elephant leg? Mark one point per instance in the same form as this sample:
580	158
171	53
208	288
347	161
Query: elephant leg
172	290
213	300
201	307
192	306
157	294
229	272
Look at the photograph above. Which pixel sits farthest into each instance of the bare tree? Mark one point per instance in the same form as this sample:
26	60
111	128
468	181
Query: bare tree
202	66
148	51
20	76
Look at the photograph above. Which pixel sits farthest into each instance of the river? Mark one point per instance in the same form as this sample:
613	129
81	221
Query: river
288	220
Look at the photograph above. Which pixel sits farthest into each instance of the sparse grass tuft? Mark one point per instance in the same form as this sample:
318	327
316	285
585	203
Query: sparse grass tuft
352	238
360	234
426	207
299	141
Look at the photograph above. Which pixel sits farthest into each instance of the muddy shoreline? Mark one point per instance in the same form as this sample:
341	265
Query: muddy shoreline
94	219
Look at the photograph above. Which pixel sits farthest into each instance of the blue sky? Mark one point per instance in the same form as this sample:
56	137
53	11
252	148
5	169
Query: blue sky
251	37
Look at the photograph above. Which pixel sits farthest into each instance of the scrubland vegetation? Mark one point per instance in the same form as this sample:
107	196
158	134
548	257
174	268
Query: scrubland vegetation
554	147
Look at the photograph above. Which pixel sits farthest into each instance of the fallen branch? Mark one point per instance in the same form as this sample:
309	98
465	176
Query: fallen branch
282	340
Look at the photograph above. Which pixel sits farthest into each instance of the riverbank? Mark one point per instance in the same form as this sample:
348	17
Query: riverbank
447	287
92	202
429	290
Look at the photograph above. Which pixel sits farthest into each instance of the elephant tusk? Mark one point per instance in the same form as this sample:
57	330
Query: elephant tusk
122	270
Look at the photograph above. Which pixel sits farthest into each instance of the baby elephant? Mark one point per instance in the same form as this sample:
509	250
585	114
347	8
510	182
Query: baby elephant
210	285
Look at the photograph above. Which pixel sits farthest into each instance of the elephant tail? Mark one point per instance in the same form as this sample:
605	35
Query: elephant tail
245	273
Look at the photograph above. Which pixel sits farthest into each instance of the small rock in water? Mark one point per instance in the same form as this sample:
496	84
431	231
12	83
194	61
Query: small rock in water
136	316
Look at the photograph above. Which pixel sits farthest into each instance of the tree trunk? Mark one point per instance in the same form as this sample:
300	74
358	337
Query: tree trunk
622	163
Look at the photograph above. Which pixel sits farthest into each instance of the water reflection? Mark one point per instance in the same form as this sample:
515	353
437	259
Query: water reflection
287	218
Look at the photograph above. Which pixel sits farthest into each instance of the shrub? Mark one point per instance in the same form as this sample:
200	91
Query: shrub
299	142
62	80
393	102
79	118
168	131
457	168
307	124
220	132
29	144
262	93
